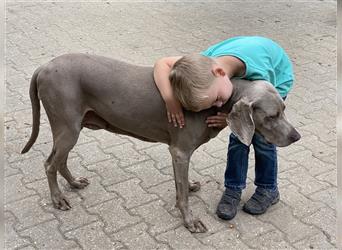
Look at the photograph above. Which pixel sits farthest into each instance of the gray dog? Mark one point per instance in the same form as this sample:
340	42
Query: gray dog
80	90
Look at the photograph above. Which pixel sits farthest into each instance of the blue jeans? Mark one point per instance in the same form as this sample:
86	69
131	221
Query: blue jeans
266	164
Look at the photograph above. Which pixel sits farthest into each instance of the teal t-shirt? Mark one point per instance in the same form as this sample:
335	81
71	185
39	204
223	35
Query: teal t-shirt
264	60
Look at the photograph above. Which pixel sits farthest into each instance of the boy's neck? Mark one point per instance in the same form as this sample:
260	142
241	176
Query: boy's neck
232	65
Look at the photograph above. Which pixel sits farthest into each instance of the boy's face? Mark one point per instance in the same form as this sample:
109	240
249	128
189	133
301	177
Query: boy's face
218	93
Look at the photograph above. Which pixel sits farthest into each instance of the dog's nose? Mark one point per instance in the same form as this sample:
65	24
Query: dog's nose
294	135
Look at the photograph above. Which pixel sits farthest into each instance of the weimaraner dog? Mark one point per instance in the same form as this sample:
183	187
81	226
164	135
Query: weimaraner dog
81	90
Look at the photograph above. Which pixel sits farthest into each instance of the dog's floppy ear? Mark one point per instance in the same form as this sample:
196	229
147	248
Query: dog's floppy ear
241	122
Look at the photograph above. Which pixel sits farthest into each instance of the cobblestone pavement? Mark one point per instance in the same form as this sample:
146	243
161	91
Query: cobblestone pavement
130	201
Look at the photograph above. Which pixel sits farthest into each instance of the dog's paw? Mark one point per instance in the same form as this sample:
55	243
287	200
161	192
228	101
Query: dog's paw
197	226
80	183
61	202
194	186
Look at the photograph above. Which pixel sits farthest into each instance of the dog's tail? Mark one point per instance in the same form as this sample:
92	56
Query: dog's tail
35	112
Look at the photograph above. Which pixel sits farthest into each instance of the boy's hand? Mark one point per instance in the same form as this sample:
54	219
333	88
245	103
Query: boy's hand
175	112
219	120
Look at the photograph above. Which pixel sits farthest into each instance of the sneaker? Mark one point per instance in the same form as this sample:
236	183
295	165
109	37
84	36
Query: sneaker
227	207
261	200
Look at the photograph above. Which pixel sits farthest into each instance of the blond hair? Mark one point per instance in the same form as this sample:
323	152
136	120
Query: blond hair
190	76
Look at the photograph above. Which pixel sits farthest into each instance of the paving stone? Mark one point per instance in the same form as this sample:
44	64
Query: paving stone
31	215
132	192
312	164
328	196
157	217
149	175
136	237
270	240
15	190
107	139
201	160
325	219
225	239
294	229
317	241
41	187
92	237
95	193
181	238
8	171
166	192
110	172
12	239
74	218
91	153
47	236
210	195
13	149
304	180
126	154
301	205
329	177
160	154
115	216
216	172
32	168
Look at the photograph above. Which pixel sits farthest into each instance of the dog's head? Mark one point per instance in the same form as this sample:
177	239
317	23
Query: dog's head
262	112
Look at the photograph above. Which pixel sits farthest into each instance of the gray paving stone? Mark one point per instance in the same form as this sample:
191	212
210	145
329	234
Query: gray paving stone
200	160
110	172
181	238
166	192
95	193
74	218
126	154
149	175
312	164
270	240
225	239
317	241
15	190
115	216
329	177
32	168
47	236
91	153
28	212
136	237
92	237
106	139
325	219
13	149
328	196
157	217
132	192
301	177
294	229
13	240
159	153
301	205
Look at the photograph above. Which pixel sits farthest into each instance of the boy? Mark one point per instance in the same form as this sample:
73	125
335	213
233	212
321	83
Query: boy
198	82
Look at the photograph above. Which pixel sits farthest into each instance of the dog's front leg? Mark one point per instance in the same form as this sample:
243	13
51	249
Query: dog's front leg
180	162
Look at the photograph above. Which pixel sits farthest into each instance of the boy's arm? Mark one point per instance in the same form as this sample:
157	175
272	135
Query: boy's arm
162	69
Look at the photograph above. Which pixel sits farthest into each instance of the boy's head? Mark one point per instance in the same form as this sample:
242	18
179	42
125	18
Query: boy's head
199	82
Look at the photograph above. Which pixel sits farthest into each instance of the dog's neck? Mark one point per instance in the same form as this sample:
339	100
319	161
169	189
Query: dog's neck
239	91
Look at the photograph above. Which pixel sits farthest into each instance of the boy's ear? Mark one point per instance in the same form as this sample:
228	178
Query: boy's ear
218	71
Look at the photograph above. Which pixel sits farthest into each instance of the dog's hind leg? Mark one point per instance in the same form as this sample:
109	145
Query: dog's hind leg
65	137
